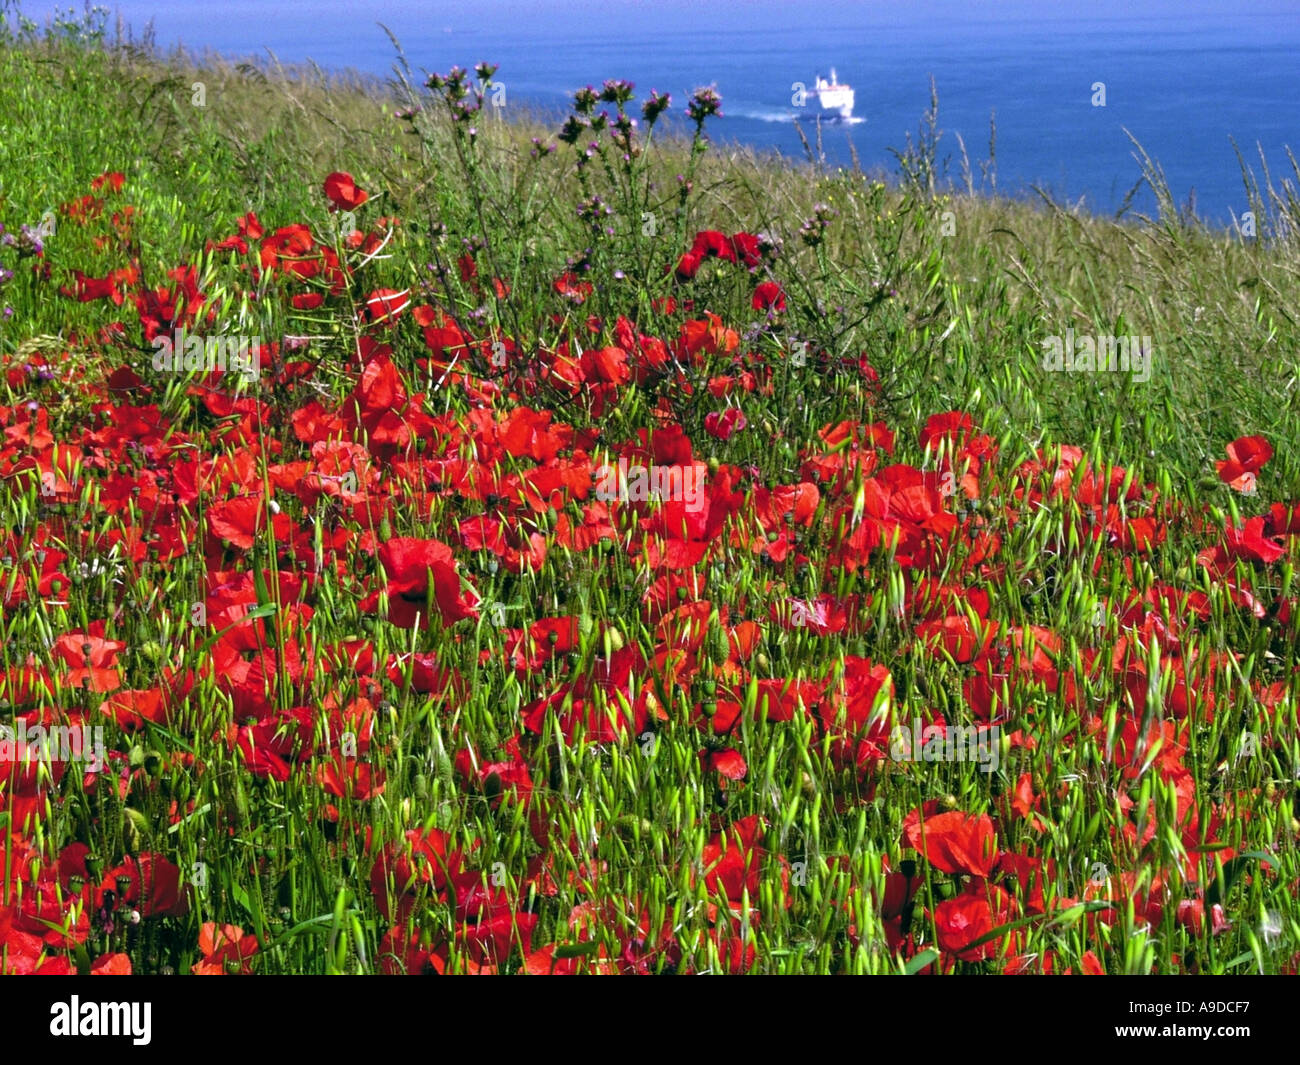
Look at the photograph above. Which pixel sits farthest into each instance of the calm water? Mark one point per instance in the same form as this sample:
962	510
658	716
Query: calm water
1183	77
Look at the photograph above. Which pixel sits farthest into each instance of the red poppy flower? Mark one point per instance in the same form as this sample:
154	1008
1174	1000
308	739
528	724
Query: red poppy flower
608	723
227	950
1284	519
86	288
954	425
238	522
709	335
709	243
768	296
963	921
111	965
403	952
688	266
1247	543
417	571
1246	456
20	951
114	179
745	248
131	709
953	842
572	288
93	661
287	242
346	777
384	305
343	192
246	229
507	776
492	939
378	403
148	883
726	763
724	424
404	873
732	860
958	636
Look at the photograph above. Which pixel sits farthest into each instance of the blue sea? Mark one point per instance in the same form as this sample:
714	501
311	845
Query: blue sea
1184	78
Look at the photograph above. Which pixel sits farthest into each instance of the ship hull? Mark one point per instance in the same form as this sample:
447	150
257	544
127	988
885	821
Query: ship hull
836	107
833	99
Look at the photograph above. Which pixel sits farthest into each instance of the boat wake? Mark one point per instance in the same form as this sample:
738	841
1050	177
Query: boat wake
806	115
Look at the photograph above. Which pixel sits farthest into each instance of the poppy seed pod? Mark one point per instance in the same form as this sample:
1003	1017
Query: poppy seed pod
719	646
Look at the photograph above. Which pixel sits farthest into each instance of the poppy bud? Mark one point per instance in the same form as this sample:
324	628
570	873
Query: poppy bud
719	645
135	826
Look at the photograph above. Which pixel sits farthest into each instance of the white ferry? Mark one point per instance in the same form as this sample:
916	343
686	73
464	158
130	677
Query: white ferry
836	100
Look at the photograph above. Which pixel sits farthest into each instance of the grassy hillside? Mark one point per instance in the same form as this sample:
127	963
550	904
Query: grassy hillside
388	685
990	278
